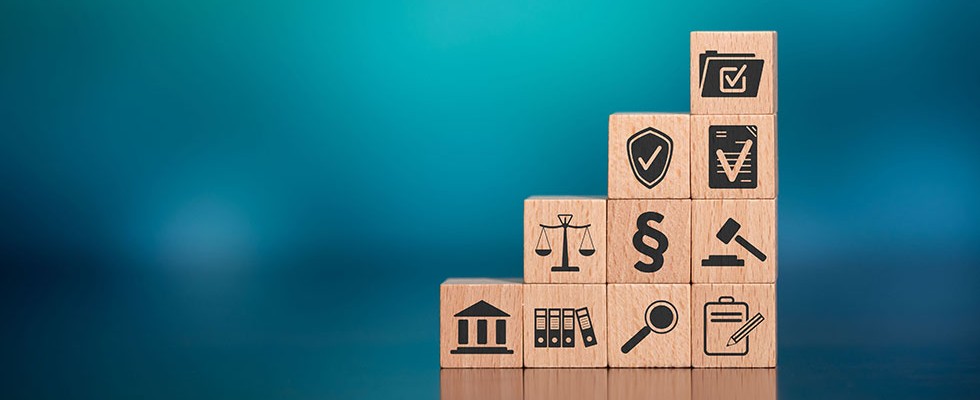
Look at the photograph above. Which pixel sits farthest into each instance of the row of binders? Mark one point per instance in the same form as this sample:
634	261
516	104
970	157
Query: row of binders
556	327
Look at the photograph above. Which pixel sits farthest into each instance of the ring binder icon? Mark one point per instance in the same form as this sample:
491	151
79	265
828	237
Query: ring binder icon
555	327
585	324
729	74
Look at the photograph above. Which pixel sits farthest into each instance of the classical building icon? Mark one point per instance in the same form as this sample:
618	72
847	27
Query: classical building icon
482	313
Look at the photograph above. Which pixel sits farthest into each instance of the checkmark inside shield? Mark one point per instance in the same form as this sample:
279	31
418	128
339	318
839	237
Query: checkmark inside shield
646	164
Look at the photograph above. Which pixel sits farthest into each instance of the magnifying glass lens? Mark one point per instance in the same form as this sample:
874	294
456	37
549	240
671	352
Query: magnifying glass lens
661	317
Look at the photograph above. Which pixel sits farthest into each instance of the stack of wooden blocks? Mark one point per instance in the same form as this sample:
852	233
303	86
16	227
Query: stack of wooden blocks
677	268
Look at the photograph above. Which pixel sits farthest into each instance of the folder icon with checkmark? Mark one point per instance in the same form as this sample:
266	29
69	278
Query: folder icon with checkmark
729	74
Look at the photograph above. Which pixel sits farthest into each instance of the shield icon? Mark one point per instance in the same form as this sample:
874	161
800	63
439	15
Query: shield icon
650	151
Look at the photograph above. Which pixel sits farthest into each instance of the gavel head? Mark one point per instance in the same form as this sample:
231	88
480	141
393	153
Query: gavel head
728	231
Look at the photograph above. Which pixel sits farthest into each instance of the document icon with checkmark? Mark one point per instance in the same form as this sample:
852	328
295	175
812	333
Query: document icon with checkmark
729	74
732	156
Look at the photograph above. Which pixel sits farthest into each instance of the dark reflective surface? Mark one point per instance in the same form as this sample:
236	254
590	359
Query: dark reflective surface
635	383
625	384
483	384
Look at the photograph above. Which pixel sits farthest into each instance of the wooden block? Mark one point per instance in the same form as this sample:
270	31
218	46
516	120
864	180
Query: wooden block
565	325
745	168
734	325
733	241
649	241
647	383
480	323
481	384
649	325
649	156
734	383
733	72
565	240
565	384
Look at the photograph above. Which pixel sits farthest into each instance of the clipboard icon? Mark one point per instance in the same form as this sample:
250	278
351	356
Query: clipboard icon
727	327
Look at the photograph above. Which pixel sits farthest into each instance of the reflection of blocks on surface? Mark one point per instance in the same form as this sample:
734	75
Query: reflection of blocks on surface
734	325
566	384
649	241
565	325
565	239
649	325
480	323
650	383
734	384
649	156
734	241
733	72
733	156
481	383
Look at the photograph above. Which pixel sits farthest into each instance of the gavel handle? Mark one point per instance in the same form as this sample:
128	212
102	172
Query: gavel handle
748	246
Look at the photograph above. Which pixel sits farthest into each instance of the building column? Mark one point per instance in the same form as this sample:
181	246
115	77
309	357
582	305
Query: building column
463	334
501	331
481	331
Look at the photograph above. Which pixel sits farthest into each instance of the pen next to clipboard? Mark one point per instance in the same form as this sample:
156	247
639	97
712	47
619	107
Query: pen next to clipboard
742	332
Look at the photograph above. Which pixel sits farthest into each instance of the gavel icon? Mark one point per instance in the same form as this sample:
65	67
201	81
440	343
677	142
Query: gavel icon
730	230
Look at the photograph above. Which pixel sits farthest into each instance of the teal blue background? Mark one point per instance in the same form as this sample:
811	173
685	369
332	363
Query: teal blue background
242	199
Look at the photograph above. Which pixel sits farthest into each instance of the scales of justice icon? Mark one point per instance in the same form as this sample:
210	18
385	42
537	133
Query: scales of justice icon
583	248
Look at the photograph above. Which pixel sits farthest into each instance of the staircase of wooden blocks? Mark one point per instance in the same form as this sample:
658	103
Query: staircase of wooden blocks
676	268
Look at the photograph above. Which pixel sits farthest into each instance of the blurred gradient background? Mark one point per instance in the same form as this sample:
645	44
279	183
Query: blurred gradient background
246	199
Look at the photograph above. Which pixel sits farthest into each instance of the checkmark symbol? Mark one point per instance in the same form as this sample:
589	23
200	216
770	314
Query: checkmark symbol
646	164
731	171
738	75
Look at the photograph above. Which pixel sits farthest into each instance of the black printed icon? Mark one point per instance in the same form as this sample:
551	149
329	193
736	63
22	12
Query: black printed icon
649	152
660	317
482	312
586	246
729	75
732	156
728	232
555	327
645	229
727	327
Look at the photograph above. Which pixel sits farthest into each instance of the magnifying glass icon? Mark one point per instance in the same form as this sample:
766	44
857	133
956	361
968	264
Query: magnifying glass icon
660	317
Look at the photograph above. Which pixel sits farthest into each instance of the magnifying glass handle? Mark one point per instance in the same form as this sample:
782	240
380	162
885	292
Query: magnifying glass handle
635	340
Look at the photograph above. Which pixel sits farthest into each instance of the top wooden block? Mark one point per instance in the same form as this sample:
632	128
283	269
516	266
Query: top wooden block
733	72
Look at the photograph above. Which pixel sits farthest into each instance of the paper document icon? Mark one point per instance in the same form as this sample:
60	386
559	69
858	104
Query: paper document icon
732	157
